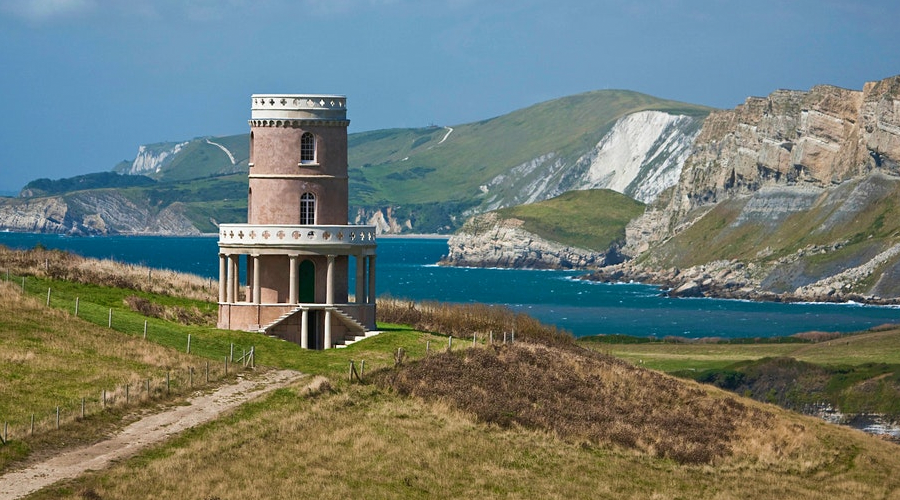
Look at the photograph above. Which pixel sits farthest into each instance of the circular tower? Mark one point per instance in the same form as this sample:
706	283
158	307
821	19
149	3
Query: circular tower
297	245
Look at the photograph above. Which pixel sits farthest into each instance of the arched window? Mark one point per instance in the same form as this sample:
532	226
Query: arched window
308	209
307	148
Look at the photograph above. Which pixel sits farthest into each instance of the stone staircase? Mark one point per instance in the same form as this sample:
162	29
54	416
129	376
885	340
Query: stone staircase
265	329
354	326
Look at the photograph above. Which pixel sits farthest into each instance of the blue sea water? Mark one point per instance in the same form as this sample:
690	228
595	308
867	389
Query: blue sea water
406	269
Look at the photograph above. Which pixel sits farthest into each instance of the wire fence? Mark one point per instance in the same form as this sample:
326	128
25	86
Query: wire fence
135	392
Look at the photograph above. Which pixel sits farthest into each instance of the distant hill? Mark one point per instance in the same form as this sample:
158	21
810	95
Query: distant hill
426	180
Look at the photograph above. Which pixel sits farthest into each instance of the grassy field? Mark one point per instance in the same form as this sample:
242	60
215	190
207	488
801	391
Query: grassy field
397	436
361	441
868	347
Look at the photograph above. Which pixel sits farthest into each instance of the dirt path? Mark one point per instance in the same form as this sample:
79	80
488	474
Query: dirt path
141	434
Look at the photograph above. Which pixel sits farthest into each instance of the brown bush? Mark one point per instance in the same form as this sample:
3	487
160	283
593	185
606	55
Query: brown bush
580	395
464	320
816	336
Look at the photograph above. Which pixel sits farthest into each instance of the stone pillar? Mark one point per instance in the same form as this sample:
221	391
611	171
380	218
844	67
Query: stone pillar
223	277
329	282
236	275
327	329
256	287
294	294
371	295
304	329
360	293
229	281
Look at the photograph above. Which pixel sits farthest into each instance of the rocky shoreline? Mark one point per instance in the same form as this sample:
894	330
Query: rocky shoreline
727	280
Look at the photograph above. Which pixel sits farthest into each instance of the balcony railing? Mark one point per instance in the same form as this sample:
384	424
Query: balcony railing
275	235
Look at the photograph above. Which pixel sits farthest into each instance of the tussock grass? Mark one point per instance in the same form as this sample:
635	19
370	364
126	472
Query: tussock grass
64	266
363	442
581	395
464	320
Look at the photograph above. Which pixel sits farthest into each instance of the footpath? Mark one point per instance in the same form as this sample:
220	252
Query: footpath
147	431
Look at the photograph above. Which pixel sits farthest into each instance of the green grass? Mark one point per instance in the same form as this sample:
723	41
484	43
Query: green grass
593	219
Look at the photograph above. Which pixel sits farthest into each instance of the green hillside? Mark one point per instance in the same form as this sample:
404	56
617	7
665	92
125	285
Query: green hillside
407	165
593	219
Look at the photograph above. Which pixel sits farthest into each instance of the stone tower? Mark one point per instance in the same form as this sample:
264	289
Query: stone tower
297	245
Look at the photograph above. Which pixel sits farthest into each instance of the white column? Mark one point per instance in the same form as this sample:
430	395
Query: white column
329	282
361	297
371	280
256	286
327	329
229	285
293	296
223	277
304	329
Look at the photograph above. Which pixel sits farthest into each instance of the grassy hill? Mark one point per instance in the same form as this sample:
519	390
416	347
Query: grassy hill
431	177
405	166
532	419
592	219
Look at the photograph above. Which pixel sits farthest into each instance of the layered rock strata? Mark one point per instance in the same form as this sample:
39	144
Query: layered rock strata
490	241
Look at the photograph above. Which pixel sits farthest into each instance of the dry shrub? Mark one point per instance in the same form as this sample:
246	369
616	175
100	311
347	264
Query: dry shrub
580	395
816	336
464	320
60	265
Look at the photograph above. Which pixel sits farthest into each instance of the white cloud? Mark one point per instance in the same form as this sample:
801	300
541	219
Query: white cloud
42	10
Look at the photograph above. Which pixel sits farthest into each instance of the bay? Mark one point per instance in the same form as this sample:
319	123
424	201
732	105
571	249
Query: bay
406	269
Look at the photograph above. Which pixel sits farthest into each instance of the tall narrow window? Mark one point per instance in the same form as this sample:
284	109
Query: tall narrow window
307	148
308	209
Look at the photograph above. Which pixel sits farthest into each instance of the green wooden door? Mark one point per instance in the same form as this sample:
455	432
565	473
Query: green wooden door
307	286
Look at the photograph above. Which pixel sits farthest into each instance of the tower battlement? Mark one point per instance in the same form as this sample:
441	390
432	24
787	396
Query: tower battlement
298	107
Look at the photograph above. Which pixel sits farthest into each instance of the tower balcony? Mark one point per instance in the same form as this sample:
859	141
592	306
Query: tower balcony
280	235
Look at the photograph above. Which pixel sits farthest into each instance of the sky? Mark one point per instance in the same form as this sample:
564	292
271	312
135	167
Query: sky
84	83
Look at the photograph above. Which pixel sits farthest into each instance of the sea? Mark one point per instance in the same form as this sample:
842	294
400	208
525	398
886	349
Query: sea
407	268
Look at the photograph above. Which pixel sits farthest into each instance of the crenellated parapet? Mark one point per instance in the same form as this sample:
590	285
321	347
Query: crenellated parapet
283	109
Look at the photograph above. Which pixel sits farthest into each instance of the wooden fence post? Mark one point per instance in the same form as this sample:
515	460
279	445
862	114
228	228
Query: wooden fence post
23	284
449	343
189	344
231	354
427	346
145	329
362	368
32	424
226	366
48	296
57	418
76	307
167	383
207	372
474	338
110	318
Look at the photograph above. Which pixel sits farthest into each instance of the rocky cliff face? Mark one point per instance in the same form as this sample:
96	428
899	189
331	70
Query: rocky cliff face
641	156
488	240
803	185
151	158
92	213
818	138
